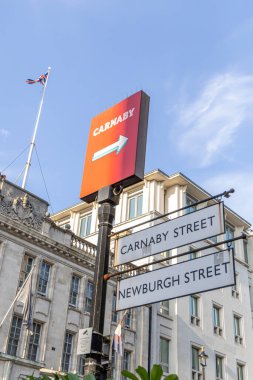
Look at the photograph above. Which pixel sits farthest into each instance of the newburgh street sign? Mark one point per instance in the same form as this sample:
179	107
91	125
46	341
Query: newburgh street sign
189	277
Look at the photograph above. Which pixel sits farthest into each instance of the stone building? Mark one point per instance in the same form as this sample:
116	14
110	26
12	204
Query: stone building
63	249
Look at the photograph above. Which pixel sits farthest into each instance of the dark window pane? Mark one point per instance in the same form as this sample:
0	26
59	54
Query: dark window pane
14	335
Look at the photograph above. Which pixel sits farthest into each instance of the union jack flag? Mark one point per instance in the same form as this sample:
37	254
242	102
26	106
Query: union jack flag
42	80
118	340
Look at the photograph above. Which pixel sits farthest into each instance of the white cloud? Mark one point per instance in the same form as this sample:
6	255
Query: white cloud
4	132
208	125
241	201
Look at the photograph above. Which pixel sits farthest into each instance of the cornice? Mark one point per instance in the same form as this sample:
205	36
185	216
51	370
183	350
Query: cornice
28	234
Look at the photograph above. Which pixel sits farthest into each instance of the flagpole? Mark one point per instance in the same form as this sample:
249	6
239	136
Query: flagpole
18	294
28	164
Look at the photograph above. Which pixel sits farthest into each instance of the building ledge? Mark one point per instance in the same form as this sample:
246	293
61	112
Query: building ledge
21	361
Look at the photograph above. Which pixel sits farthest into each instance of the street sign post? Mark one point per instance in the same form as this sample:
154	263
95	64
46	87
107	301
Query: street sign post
115	157
116	147
208	272
174	233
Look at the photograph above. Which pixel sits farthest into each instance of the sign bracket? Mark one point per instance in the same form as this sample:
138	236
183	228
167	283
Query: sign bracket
217	197
229	241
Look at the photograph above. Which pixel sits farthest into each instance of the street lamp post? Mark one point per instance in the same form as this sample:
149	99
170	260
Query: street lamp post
203	358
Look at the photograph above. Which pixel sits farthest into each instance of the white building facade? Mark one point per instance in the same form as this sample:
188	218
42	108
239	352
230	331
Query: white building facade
169	332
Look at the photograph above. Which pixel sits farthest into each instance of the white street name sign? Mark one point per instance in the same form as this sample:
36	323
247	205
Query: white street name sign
84	341
189	228
189	277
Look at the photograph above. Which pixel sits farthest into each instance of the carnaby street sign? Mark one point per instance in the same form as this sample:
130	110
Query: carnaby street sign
189	228
116	148
189	277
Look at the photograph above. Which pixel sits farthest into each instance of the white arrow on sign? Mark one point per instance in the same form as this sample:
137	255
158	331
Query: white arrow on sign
118	145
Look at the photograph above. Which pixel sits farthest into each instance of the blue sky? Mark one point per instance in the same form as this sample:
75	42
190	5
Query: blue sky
193	58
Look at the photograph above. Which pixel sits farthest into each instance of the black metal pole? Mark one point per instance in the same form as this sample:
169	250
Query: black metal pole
149	338
106	213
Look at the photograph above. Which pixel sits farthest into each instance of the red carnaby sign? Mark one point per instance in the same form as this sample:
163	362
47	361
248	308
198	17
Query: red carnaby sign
116	147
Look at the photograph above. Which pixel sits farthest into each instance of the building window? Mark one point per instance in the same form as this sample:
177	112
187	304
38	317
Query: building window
164	354
73	297
43	278
165	307
88	296
113	365
237	329
214	239
85	224
245	251
25	269
168	256
217	325
230	233
251	297
194	310
196	373
193	255
190	202
34	340
81	365
128	319
67	350
135	206
240	371
114	313
14	335
126	362
235	288
219	367
65	225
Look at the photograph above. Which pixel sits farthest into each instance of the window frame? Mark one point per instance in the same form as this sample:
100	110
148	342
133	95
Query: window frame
44	278
14	335
128	319
81	365
33	344
25	268
85	219
229	233
88	295
237	321
126	361
196	372
114	312
74	291
67	351
136	212
193	255
245	251
164	308
236	287
240	367
189	202
63	225
164	364
113	363
219	367
195	309
217	319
